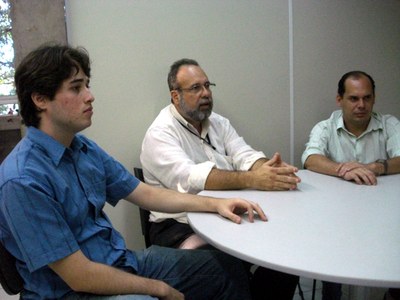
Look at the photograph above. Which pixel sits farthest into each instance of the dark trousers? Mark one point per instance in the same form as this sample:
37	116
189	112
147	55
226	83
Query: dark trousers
331	290
394	293
265	284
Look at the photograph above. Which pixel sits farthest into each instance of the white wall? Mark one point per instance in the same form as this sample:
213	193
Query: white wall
274	81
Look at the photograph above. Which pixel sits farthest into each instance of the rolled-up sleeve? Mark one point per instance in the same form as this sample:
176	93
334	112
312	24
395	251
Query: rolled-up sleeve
393	140
318	141
174	158
168	165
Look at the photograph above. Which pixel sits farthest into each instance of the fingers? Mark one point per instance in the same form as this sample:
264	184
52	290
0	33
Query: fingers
256	207
361	176
276	159
287	176
253	208
234	217
270	177
234	207
339	170
288	181
250	213
343	168
290	167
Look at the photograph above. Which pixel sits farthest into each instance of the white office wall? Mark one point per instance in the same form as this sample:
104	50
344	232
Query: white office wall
244	47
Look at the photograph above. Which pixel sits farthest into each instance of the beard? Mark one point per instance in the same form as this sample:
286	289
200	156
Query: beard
196	114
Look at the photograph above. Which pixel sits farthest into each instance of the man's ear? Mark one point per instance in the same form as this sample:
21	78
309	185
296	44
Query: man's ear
174	97
39	100
339	100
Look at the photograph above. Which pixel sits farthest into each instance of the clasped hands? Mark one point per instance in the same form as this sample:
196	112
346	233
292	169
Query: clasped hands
357	172
275	175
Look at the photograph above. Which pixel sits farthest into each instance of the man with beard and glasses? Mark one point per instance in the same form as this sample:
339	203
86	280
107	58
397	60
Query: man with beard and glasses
190	148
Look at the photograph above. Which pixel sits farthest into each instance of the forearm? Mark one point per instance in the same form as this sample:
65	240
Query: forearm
111	281
83	275
227	180
272	174
169	201
321	164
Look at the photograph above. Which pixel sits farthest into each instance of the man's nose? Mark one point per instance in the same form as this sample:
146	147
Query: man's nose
361	103
89	97
205	91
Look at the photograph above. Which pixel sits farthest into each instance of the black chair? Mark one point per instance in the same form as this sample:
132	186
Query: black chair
144	213
10	279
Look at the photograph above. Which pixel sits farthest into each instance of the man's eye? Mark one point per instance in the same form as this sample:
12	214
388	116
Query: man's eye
196	88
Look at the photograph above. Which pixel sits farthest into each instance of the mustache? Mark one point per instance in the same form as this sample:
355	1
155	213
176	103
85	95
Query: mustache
205	101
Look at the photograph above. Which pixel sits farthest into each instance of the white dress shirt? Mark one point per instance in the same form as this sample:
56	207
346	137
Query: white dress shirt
175	156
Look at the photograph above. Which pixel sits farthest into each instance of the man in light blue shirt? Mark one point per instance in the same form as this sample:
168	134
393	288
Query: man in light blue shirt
355	143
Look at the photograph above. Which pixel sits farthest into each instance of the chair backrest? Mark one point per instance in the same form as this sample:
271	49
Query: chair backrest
144	213
10	279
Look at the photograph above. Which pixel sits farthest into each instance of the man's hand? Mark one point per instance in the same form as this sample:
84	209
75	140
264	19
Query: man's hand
172	294
356	172
232	208
275	175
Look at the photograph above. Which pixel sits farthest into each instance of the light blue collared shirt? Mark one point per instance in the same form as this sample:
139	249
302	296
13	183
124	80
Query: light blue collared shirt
381	140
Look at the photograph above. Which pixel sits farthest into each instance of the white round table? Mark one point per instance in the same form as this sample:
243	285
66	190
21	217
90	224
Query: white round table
328	229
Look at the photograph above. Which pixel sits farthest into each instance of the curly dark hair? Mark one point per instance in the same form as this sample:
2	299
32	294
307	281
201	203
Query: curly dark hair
43	71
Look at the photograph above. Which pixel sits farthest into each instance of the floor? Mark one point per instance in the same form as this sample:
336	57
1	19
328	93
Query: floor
348	292
4	296
306	286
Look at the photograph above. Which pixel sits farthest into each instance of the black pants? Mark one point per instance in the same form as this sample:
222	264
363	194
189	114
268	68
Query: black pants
265	284
331	290
394	293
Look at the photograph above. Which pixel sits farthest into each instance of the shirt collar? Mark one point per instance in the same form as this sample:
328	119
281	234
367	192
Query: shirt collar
53	148
375	123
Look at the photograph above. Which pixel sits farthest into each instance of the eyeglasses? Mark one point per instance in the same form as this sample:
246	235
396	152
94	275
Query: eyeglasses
197	88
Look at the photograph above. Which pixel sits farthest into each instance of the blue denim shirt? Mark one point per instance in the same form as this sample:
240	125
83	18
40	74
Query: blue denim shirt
51	205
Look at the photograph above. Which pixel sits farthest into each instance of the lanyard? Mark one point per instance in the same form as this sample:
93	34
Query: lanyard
206	140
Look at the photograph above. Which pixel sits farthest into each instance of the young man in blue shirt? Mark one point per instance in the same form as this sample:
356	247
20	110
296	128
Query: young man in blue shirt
55	183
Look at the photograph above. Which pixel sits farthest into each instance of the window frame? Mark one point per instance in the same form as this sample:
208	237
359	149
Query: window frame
8	100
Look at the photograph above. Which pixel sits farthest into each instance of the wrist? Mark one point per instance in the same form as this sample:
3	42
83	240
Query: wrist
161	289
383	166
